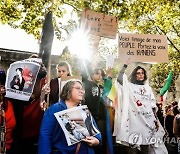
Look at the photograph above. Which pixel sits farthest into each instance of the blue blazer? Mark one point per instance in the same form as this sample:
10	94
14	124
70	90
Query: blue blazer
52	135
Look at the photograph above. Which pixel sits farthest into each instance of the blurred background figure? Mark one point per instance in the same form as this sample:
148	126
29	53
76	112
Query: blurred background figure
7	118
63	70
160	113
28	116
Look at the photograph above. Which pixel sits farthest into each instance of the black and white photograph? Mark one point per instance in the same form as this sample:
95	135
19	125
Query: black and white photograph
76	124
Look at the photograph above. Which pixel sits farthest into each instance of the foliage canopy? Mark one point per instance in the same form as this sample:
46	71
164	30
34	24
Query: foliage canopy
137	16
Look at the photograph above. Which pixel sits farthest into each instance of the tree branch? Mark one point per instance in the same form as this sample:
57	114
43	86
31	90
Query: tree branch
176	31
168	38
65	30
72	6
157	27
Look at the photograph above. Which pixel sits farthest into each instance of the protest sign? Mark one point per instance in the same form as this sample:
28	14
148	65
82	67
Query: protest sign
99	24
76	124
21	78
109	61
142	47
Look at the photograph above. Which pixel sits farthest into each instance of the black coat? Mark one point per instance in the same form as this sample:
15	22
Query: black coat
16	84
93	100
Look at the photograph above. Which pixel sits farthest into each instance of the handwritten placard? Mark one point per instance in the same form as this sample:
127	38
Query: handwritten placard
142	47
99	24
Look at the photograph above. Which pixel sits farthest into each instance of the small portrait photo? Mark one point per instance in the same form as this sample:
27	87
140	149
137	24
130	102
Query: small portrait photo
18	81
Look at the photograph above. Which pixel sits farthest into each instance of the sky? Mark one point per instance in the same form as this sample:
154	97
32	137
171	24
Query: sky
18	39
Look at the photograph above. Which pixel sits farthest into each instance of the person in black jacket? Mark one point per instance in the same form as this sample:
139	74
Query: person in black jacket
93	99
89	124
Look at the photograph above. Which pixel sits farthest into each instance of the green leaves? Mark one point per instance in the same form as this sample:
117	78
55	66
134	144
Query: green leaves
137	16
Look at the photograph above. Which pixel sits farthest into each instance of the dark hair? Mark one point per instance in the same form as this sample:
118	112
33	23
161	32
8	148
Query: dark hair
167	108
63	63
34	56
67	89
96	71
2	77
42	72
20	69
133	78
175	110
174	103
2	82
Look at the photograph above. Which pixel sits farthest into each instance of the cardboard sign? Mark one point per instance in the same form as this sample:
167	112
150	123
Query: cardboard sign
99	24
64	80
142	47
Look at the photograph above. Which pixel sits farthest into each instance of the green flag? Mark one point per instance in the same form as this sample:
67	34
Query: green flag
167	84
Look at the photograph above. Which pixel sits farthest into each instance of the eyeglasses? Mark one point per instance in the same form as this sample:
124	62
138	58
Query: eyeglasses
138	73
79	89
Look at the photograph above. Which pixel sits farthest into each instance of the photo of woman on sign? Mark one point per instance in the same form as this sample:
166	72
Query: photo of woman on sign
18	80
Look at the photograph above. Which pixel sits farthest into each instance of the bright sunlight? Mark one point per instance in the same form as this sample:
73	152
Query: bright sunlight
79	44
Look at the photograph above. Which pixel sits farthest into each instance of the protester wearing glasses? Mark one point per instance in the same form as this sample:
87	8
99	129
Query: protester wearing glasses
7	118
137	113
51	133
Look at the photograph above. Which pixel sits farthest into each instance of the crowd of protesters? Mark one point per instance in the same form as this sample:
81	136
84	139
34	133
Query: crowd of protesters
27	129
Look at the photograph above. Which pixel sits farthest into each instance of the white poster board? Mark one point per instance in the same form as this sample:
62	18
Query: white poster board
21	78
76	124
142	47
109	61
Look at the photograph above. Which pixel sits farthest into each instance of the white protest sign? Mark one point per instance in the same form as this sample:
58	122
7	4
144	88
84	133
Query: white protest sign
21	78
99	24
109	61
143	47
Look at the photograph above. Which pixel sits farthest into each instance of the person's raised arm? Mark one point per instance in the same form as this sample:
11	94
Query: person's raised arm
120	75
